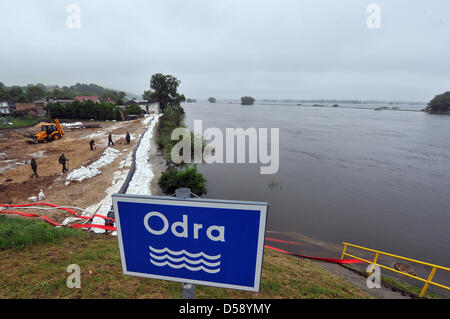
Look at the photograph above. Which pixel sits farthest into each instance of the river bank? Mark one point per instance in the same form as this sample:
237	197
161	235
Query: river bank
40	272
155	165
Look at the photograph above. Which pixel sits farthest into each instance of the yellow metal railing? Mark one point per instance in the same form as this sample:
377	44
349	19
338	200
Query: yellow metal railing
428	281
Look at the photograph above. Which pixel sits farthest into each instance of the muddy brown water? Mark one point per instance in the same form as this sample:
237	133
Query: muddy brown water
379	179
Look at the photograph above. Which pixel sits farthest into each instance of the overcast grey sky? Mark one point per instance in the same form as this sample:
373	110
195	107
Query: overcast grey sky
298	49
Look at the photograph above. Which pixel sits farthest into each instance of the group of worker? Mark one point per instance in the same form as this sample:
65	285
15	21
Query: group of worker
63	160
110	141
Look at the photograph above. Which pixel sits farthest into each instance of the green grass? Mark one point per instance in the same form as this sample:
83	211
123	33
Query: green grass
408	288
19	232
41	272
403	286
22	122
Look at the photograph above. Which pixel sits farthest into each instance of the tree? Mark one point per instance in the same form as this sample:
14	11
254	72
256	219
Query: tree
84	110
59	94
16	94
113	95
173	179
35	92
212	100
440	103
133	109
164	91
3	92
149	96
247	100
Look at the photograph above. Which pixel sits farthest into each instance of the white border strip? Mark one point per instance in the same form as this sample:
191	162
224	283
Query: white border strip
262	207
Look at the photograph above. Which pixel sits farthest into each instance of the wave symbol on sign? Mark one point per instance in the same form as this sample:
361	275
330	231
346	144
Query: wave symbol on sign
182	256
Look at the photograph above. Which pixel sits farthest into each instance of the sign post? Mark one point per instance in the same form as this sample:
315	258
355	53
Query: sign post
193	241
188	289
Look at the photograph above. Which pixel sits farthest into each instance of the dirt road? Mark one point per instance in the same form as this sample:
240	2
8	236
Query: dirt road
16	184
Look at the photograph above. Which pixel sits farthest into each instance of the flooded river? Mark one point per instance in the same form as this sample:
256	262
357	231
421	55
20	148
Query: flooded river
379	179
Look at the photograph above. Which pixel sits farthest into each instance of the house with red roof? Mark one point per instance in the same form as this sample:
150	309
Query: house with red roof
94	99
110	100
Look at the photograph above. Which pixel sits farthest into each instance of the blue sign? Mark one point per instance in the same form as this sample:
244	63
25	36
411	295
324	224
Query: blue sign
199	241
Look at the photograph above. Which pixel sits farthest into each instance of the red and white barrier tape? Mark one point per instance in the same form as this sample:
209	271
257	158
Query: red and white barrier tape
105	227
330	260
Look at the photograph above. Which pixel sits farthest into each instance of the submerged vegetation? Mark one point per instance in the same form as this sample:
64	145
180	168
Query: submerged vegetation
247	100
440	103
172	118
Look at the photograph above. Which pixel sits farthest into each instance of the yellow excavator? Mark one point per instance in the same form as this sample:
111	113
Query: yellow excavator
49	132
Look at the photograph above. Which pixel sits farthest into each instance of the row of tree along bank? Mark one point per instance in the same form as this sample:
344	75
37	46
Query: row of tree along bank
90	110
31	93
164	89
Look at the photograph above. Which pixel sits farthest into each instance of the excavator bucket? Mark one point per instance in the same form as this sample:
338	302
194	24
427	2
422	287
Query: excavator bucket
59	127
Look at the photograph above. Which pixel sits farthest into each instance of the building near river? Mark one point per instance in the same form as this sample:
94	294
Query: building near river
146	106
152	108
5	108
94	99
22	109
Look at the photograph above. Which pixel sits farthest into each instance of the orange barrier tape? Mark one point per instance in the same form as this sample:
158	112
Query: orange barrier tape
112	228
283	241
331	260
48	220
105	227
58	207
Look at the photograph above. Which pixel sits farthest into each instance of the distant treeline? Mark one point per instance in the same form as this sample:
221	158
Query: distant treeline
334	101
31	93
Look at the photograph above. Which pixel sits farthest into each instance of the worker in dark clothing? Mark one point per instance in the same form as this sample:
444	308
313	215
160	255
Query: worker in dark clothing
62	161
110	141
92	144
128	138
34	168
